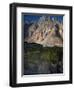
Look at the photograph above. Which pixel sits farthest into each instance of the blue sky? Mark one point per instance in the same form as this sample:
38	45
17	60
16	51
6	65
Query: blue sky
30	18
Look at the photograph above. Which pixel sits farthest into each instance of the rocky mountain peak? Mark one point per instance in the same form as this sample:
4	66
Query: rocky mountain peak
45	32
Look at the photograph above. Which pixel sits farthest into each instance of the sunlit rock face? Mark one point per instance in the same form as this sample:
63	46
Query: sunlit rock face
46	32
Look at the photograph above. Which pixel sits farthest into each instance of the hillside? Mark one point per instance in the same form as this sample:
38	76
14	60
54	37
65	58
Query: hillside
42	60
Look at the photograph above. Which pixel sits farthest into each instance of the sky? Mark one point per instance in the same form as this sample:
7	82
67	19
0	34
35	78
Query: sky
32	18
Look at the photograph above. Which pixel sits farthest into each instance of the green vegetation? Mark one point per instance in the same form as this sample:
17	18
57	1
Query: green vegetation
40	60
37	53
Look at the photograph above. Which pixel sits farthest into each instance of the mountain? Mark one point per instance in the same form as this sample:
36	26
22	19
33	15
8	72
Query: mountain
45	32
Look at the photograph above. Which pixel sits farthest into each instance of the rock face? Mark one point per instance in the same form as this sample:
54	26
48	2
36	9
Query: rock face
45	32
